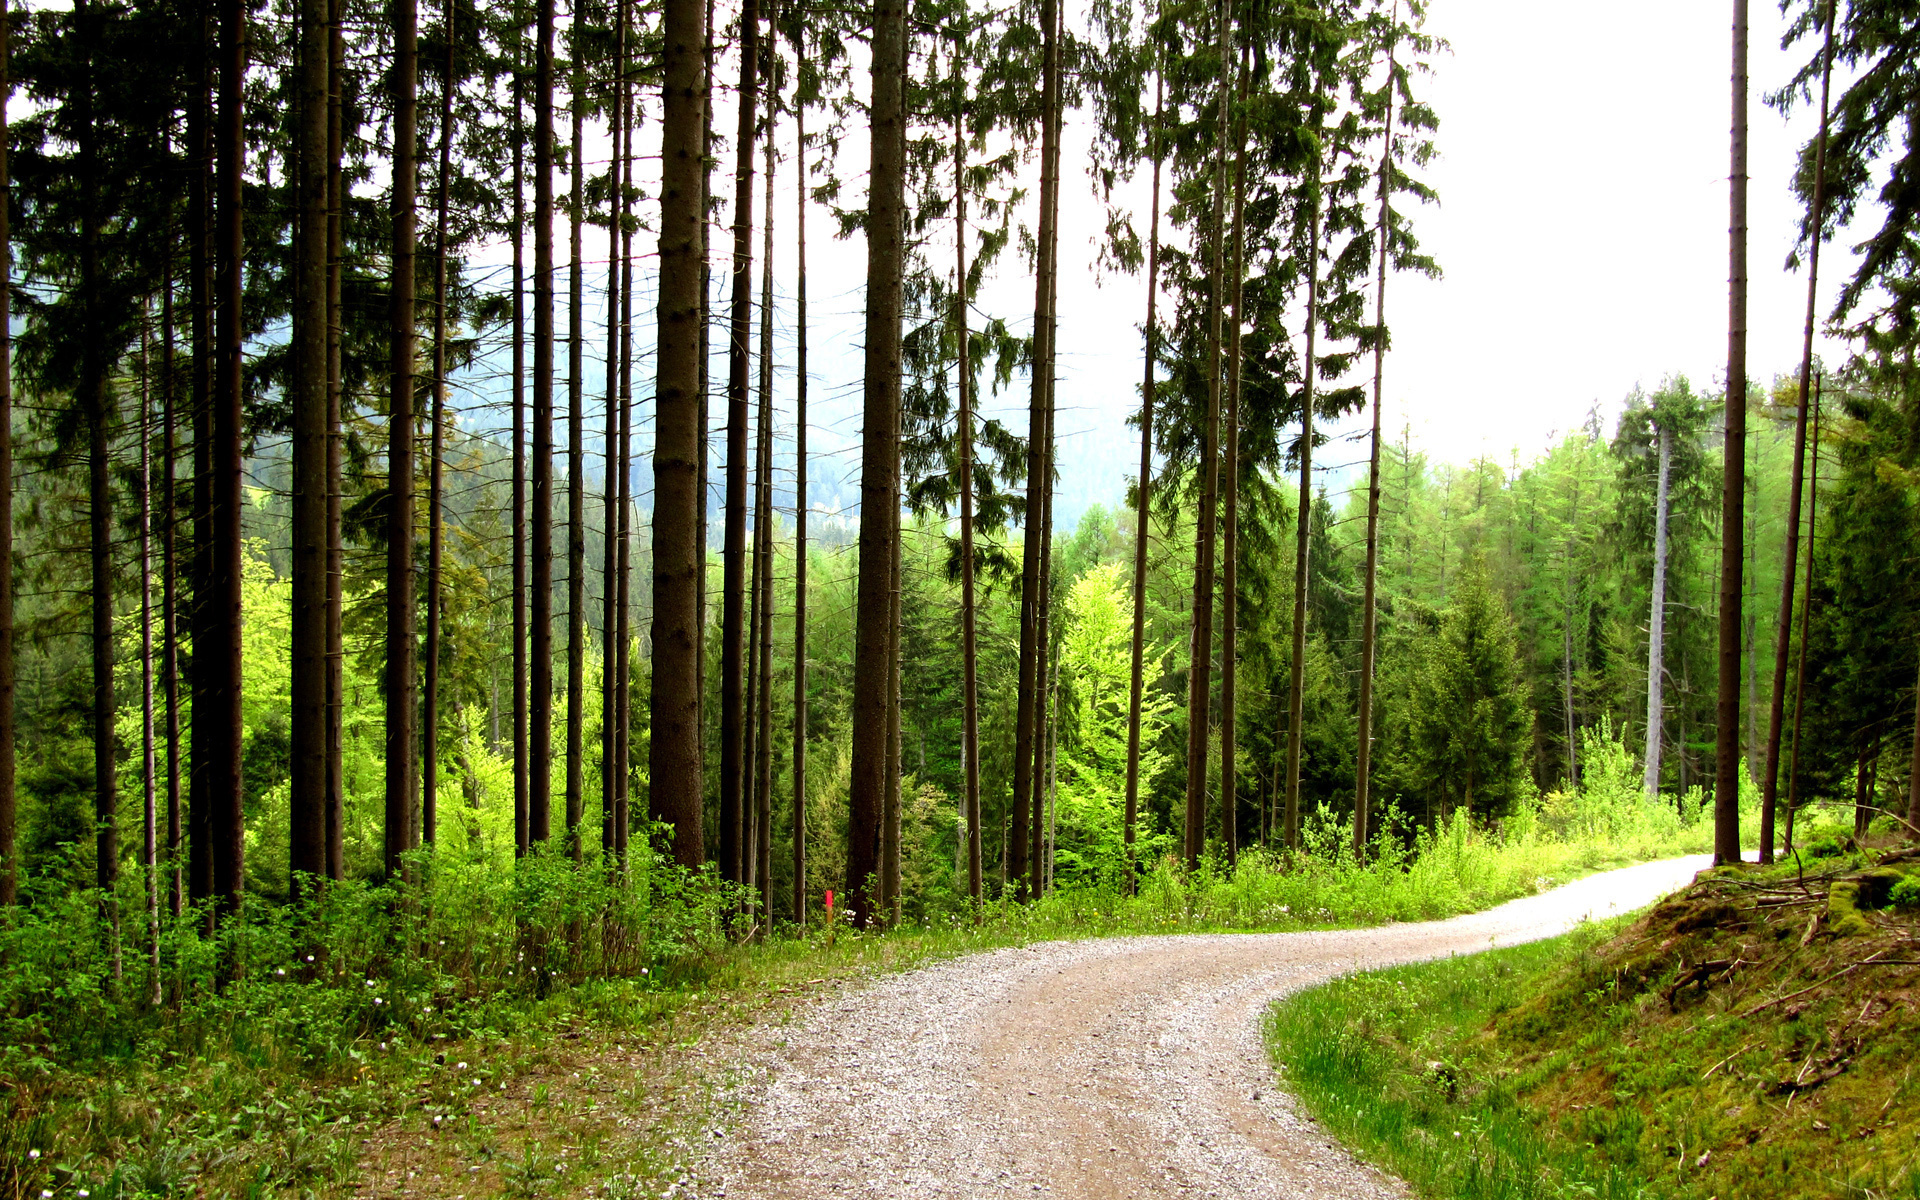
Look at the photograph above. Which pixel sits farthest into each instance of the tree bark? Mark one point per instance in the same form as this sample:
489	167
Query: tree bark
762	848
169	625
800	519
522	827
612	771
1726	783
1230	515
436	456
1806	624
400	747
308	397
1657	620
576	477
1303	526
201	292
1143	508
963	437
733	761
149	756
9	863
1039	483
623	783
540	651
1789	571
1199	686
336	796
219	703
890	802
96	407
880	452
1369	603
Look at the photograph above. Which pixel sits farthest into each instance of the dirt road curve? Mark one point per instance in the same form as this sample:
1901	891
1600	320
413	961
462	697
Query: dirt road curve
1100	1069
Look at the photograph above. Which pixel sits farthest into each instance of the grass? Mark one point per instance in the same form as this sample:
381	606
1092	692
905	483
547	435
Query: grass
562	1034
1724	1044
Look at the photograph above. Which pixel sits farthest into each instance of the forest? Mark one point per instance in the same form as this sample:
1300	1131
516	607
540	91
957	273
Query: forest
412	534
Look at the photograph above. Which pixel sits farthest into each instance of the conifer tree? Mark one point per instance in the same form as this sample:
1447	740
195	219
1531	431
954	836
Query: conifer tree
1726	787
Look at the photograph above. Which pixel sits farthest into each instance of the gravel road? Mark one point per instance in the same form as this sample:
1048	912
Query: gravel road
1116	1068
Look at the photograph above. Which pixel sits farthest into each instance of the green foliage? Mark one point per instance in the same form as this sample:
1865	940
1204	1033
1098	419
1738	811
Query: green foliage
1470	724
1905	893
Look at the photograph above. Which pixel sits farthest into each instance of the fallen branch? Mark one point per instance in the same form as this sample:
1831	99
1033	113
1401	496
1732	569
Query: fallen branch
1848	970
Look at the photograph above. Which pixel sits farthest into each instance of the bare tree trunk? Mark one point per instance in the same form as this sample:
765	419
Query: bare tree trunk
800	520
169	625
612	772
219	704
1039	483
201	195
96	407
1806	624
1303	525
540	681
1657	619
873	667
308	395
1783	625
675	764
9	863
1369	604
963	437
733	760
576	475
1230	514
1201	646
149	757
623	808
762	847
890	803
1042	868
522	829
336	794
1144	491
1726	784
401	760
436	456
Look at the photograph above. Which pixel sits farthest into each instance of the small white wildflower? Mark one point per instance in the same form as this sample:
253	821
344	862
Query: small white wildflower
459	1066
427	1009
45	1194
33	1154
281	971
309	958
369	983
84	1192
378	1000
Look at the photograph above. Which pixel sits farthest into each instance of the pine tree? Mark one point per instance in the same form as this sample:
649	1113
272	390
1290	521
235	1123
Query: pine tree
1726	789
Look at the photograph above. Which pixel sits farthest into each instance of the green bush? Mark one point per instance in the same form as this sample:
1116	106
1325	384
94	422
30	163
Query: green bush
1905	893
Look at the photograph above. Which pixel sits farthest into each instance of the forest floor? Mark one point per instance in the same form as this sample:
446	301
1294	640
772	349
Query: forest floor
1107	1068
1751	1036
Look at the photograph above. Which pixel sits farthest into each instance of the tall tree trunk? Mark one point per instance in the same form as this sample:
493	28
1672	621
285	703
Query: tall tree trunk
1726	782
963	437
401	760
308	719
169	624
800	516
96	407
703	462
1657	620
1369	603
1144	490
219	703
1230	514
733	761
436	454
1032	583
1199	686
611	770
623	818
1806	624
576	475
522	828
1042	867
540	681
880	452
1789	569
9	864
762	848
201	195
890	801
1303	526
149	754
336	794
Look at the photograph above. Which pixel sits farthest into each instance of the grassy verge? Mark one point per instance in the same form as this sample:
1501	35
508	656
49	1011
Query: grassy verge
560	1036
1753	1037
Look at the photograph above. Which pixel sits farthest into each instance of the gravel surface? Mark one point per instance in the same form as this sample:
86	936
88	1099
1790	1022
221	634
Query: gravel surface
1123	1067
